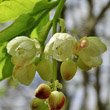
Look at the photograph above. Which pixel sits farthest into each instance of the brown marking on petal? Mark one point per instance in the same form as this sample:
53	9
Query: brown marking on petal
16	68
76	47
61	104
34	106
16	62
51	107
42	92
67	76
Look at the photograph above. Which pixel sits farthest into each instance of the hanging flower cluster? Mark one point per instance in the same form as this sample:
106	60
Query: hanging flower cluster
62	47
55	99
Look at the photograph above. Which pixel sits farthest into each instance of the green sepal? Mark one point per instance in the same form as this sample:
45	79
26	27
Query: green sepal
44	32
38	104
44	68
82	66
68	70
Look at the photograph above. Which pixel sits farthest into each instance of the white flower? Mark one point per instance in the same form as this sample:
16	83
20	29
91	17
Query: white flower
23	50
60	46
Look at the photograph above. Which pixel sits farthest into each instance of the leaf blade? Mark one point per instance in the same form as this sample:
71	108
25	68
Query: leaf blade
8	8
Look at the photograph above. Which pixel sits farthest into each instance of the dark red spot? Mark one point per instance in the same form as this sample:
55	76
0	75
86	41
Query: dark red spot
67	76
61	104
42	94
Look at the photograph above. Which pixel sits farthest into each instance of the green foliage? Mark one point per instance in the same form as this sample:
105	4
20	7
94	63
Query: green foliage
38	30
20	25
10	10
6	67
44	32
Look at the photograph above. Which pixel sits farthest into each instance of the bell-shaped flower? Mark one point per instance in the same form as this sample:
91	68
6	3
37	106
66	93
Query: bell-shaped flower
23	50
89	49
60	46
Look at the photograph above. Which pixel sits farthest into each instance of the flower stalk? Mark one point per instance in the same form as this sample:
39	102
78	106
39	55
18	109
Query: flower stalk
56	16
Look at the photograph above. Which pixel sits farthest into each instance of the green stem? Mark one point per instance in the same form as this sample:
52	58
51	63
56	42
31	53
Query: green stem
56	16
59	9
54	61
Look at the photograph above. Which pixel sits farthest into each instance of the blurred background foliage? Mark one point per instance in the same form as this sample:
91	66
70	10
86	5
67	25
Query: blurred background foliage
88	90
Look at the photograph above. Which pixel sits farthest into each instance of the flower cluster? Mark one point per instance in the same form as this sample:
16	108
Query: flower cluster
55	99
62	47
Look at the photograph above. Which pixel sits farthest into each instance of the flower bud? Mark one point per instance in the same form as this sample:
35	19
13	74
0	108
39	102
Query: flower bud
36	104
43	91
68	70
44	68
56	100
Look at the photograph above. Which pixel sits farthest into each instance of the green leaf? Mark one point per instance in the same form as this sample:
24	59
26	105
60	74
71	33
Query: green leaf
37	30
1	1
10	10
62	24
2	50
23	25
20	25
6	67
44	32
43	5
